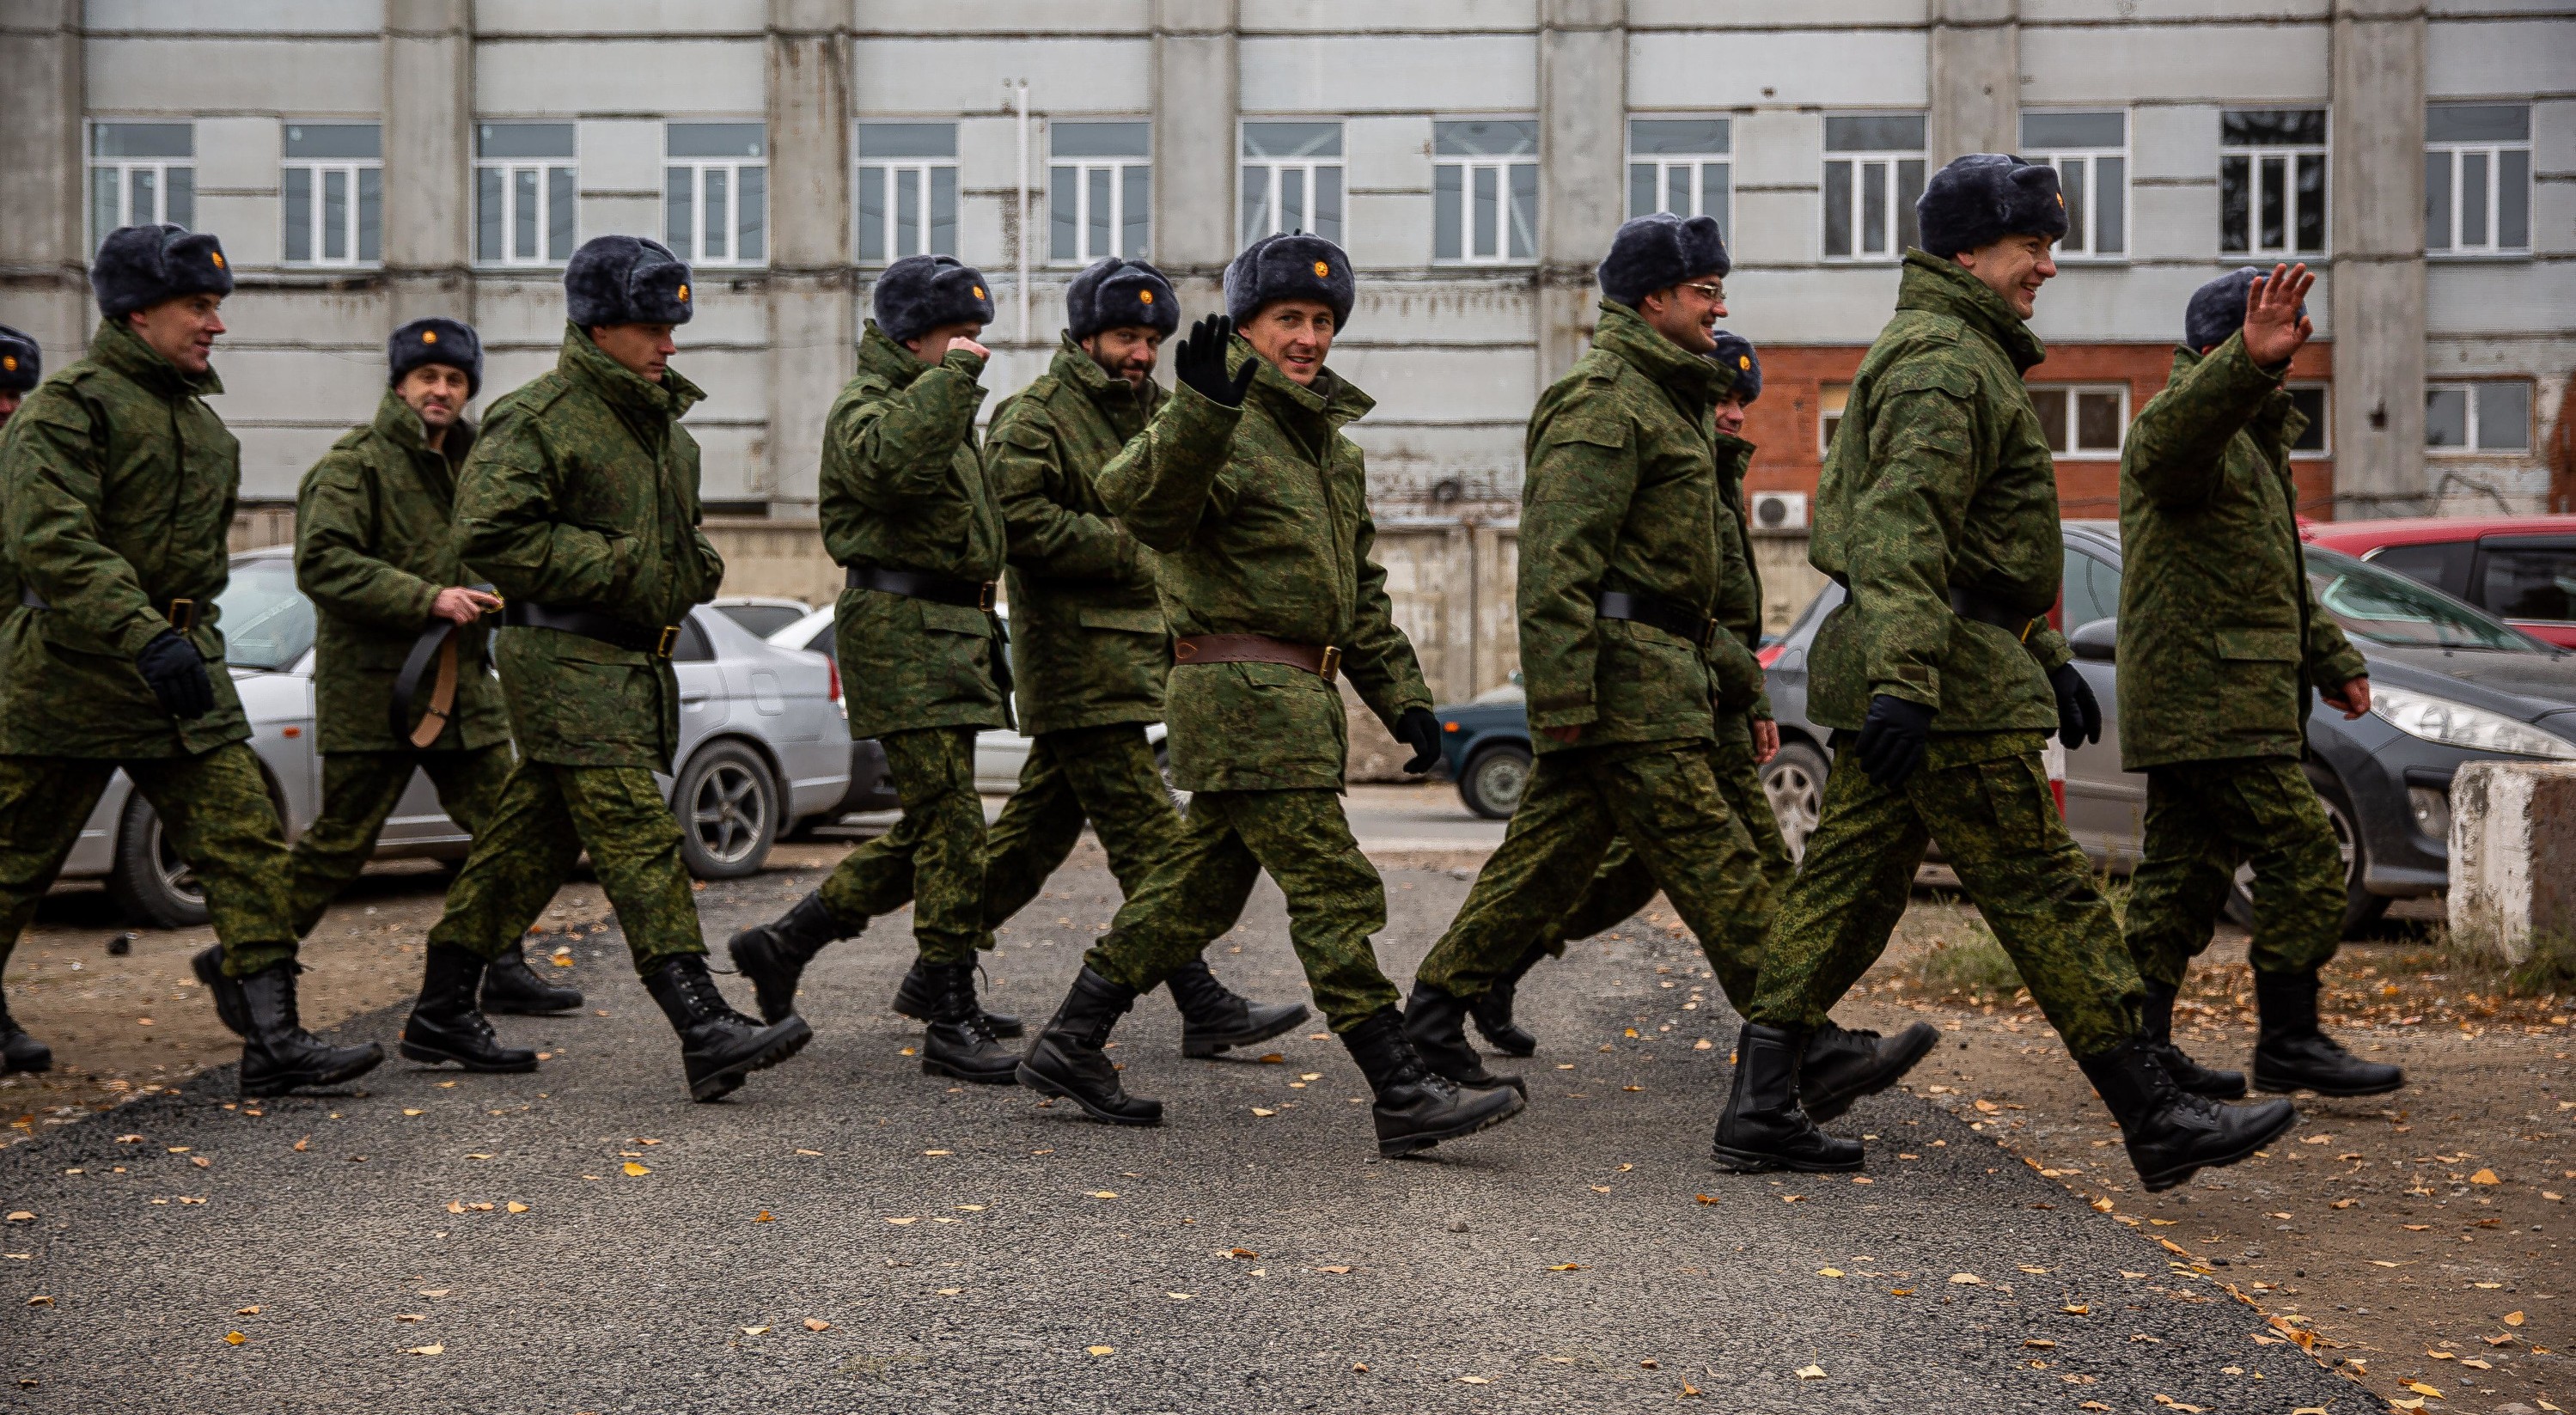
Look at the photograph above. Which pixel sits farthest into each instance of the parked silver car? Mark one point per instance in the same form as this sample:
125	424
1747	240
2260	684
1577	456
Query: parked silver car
761	748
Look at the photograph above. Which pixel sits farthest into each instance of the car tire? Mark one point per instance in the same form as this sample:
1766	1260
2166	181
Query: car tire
2360	907
148	883
1794	779
1494	780
729	808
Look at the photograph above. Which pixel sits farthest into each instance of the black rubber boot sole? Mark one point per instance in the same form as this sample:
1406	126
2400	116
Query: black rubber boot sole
1200	1045
2282	1086
1398	1146
2167	1178
279	1083
719	1082
41	1061
1031	1076
1765	1162
432	1054
208	965
1825	1108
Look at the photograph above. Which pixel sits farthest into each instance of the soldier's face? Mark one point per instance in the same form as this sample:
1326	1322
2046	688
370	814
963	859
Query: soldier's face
1127	352
930	348
1294	335
1687	313
9	400
181	330
1730	416
643	350
2014	268
436	392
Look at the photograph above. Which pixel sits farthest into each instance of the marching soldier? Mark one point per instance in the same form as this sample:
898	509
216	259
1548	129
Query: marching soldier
1938	511
579	503
119	485
1255	503
909	511
22	367
2220	644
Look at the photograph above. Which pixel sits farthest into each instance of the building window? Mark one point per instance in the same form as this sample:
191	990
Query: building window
1830	399
1484	192
141	174
1873	174
2478	417
1100	179
715	192
2091	154
525	198
1680	165
907	191
2477	179
332	187
2272	181
1292	179
2313	440
2082	422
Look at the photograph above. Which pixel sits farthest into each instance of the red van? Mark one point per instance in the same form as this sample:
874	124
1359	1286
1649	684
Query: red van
2521	569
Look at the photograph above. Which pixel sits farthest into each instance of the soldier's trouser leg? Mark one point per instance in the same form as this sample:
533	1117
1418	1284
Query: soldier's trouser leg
44	802
934	856
1105	775
215	809
1617	890
2203	820
1986	800
546	816
1335	898
359	790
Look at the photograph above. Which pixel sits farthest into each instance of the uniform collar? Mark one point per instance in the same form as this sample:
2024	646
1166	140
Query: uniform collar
881	356
1625	334
117	347
1946	287
1074	366
583	362
1331	397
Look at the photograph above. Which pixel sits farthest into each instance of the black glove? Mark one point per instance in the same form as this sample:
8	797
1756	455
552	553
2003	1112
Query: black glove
177	675
2079	715
1892	739
1418	729
1200	362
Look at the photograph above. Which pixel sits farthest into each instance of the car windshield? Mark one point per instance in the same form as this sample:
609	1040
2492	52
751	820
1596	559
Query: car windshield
763	620
2388	608
267	621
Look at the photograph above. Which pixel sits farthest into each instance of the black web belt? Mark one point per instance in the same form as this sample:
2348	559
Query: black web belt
591	624
1986	609
1699	629
912	584
182	613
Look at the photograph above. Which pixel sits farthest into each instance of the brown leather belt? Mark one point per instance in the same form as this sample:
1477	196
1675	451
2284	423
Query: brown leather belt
1321	660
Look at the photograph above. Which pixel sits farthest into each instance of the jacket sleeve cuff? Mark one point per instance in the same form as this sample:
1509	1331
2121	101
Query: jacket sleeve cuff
2049	647
2340	668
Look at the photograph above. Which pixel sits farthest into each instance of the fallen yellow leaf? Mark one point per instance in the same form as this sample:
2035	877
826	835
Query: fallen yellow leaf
1829	1272
1480	1380
246	1312
1704	1198
514	1206
2102	1206
2077	1309
2485	1176
433	1349
817	1324
633	1168
754	1331
1102	1350
899	1222
234	1337
2424	1390
1336	1268
1967	1280
1567	1268
763	1217
2513	1319
1811	1373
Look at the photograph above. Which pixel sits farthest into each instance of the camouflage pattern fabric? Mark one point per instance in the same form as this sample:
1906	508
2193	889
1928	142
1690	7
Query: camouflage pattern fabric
546	815
361	789
1088	643
1105	775
2203	820
1335	898
1622	493
1984	798
1738	608
373	547
2221	640
903	488
582	493
933	859
1940	478
117	488
1259	517
215	811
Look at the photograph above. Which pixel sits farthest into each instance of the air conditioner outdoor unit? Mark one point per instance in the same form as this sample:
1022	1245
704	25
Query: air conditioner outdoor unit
1779	510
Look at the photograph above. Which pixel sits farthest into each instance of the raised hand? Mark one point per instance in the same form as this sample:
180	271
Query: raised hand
2276	319
1200	362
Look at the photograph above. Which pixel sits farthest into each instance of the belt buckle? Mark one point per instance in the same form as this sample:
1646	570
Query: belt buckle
1184	650
1332	662
2026	626
984	596
669	640
183	615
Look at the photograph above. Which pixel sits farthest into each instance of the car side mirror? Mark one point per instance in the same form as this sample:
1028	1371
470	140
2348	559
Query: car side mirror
2096	642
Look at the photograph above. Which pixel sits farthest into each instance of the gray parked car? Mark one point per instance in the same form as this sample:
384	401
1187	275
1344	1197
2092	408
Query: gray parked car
761	748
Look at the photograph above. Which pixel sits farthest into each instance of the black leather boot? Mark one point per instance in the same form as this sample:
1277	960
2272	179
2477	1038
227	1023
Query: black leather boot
208	965
1493	1010
1435	1022
278	1055
773	955
2155	1023
1842	1065
914	999
1418	1107
1214	1016
2292	1055
957	1042
18	1051
444	1024
510	986
1067	1059
1764	1127
719	1046
2172	1133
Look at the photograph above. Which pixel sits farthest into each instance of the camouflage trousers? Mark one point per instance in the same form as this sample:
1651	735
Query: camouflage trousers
359	791
1335	899
2203	820
215	811
1597	833
1984	798
545	816
1105	775
933	859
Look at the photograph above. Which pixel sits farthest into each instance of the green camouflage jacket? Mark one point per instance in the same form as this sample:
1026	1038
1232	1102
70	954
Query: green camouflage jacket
582	493
117	486
373	547
1623	492
1259	517
903	488
1939	477
1739	589
2221	639
1088	645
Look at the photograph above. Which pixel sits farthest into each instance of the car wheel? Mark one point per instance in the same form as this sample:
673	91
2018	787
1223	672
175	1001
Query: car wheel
1794	779
1163	768
149	883
2360	906
1494	780
729	808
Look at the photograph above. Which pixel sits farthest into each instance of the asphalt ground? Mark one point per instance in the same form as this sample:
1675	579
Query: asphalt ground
847	1233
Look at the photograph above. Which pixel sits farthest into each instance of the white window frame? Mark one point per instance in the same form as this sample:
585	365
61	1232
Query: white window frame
1890	178
510	169
1272	173
1694	165
2476	446
1080	171
354	172
2083	241
1832	401
696	170
2455	176
2075	393
126	169
2257	157
894	241
1470	169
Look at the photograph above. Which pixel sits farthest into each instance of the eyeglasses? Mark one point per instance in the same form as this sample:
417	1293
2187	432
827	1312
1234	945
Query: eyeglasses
1714	291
